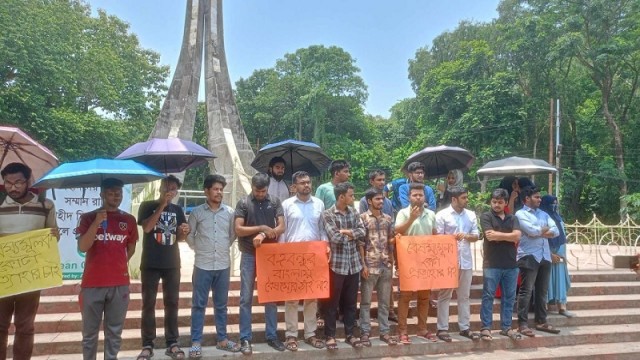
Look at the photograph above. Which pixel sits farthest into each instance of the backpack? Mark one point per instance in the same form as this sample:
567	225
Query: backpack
394	187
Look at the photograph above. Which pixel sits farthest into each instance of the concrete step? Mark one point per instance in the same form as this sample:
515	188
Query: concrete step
618	341
62	322
64	303
72	287
625	351
68	340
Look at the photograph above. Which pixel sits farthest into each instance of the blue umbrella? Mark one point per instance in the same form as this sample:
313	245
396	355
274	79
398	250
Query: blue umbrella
299	156
91	173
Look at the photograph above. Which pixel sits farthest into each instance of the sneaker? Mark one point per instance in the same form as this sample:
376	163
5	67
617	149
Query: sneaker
245	347
276	344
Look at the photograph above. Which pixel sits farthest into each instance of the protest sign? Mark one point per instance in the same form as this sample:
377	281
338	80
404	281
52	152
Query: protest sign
29	261
427	262
292	271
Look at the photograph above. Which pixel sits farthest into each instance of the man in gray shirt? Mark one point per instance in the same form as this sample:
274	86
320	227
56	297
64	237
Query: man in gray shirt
212	233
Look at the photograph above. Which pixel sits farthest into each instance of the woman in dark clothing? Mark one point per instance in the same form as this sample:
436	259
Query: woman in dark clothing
510	183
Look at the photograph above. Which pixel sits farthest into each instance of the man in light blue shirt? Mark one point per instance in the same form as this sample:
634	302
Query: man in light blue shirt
417	175
303	222
212	233
534	260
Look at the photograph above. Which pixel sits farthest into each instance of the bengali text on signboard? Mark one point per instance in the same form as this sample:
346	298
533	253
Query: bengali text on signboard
427	262
29	261
292	271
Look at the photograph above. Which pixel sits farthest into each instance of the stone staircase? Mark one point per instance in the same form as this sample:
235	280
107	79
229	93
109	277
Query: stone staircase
606	326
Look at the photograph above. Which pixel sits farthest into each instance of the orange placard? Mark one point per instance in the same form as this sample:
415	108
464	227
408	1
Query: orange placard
292	271
427	262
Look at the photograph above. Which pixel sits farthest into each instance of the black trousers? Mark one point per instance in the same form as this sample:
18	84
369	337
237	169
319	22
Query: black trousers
344	293
170	291
534	276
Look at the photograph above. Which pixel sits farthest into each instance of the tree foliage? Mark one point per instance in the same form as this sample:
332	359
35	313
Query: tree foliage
69	78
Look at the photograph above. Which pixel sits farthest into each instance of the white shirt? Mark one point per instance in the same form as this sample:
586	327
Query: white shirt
303	220
278	189
448	221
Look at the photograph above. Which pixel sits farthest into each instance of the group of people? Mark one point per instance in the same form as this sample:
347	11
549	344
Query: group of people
360	248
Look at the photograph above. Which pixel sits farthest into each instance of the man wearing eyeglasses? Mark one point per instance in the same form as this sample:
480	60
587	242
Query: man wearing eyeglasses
416	175
21	211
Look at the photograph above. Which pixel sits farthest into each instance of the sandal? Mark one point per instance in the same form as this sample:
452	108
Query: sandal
404	339
229	346
195	352
315	342
444	335
353	341
174	351
364	339
470	335
510	333
146	353
546	327
331	343
485	334
526	332
388	339
428	336
291	343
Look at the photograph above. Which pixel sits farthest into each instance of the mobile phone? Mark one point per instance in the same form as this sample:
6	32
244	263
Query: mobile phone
625	261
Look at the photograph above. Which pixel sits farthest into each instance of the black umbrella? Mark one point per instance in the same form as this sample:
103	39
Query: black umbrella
439	160
299	156
516	166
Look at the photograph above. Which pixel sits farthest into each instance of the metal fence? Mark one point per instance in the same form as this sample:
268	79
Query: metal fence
593	245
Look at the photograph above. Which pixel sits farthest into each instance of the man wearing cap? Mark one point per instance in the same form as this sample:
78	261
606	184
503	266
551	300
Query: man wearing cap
108	235
21	211
278	188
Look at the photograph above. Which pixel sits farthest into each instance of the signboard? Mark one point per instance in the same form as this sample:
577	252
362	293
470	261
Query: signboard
29	261
292	271
427	262
70	205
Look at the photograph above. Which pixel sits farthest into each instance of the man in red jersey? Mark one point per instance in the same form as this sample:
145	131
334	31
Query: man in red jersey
108	236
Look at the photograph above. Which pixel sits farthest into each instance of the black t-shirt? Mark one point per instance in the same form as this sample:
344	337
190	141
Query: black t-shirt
499	254
254	212
159	247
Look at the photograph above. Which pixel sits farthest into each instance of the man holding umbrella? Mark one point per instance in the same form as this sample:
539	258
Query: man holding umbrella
163	224
21	211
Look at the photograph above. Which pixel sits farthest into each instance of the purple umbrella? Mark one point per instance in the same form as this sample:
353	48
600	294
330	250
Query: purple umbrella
171	155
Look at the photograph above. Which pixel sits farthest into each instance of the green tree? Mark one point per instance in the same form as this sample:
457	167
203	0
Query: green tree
307	95
70	79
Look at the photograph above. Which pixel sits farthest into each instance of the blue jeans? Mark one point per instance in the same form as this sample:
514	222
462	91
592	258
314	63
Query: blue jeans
203	282
507	278
247	283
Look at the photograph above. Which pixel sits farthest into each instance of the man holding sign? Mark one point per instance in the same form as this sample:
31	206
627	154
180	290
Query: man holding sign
415	220
21	211
462	224
344	229
258	219
303	222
